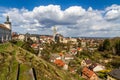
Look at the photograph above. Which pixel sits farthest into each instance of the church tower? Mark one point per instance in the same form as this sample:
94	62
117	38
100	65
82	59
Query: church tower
8	26
7	23
54	32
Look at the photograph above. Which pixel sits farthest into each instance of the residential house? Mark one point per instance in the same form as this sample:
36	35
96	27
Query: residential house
68	57
92	49
14	36
65	67
35	46
96	67
83	43
73	51
72	70
65	40
73	40
86	62
55	57
34	38
79	49
21	37
46	38
88	74
114	75
59	62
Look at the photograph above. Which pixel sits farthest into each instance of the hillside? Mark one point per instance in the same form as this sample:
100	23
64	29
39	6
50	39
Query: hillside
16	61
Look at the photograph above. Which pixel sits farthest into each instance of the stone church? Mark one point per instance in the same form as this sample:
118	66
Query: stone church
5	30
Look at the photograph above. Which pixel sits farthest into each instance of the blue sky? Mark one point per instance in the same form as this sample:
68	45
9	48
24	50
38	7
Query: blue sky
92	18
30	4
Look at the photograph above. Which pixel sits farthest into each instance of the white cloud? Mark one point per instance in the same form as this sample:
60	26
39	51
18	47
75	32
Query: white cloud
73	21
113	12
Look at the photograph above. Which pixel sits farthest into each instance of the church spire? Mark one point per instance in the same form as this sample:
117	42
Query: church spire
7	22
7	18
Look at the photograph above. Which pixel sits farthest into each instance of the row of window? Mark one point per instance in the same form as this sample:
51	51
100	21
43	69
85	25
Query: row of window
4	31
5	34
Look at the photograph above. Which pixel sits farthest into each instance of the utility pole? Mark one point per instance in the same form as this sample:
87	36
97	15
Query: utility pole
34	74
18	71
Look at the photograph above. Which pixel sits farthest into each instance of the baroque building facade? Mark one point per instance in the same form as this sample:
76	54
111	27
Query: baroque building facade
5	30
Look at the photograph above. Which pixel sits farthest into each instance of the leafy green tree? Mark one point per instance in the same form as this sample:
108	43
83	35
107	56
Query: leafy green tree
114	63
27	47
106	44
117	47
100	47
29	41
79	42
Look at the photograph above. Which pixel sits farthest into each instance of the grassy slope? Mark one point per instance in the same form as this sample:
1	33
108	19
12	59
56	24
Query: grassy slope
14	55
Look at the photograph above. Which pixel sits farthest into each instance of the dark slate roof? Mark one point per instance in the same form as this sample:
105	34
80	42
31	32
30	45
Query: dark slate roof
91	67
115	73
3	26
88	61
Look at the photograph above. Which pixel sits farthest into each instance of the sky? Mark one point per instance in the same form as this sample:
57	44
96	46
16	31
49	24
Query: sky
73	18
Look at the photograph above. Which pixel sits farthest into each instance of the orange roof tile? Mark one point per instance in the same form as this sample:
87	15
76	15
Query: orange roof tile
79	49
59	62
34	45
87	72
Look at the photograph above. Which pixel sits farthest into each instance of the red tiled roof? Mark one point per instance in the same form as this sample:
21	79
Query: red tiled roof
79	49
59	62
87	72
34	45
15	35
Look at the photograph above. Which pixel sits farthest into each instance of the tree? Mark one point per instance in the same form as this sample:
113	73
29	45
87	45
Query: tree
106	44
117	47
29	40
27	47
100	47
79	42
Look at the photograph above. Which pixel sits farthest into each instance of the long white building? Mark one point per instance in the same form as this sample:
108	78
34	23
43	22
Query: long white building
5	30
